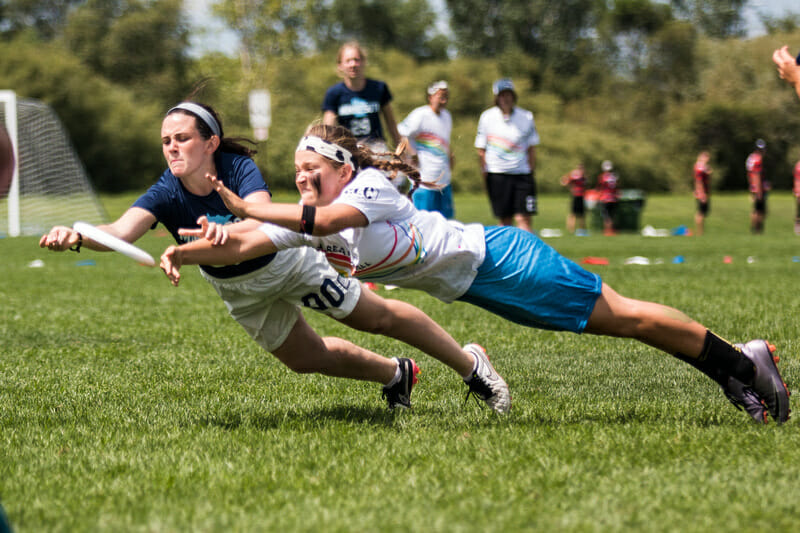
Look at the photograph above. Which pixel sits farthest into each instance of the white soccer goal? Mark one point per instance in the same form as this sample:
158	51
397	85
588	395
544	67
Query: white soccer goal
50	185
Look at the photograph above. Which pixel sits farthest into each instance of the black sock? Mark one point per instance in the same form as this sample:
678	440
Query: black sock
719	360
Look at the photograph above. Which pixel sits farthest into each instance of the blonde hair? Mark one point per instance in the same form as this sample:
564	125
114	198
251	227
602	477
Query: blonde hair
389	163
351	44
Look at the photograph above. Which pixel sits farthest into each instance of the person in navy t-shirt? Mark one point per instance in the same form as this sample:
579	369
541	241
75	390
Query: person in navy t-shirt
358	102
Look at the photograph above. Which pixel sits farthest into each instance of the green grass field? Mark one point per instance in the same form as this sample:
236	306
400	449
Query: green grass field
129	405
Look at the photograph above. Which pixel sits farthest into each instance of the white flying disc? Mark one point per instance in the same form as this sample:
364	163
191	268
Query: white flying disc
115	243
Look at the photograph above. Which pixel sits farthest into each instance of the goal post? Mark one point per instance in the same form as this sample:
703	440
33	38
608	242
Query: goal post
50	185
9	103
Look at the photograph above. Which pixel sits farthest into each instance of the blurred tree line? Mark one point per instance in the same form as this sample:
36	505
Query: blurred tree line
646	84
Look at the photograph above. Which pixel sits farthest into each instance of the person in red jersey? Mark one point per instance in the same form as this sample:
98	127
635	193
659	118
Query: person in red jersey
702	190
608	195
758	186
576	181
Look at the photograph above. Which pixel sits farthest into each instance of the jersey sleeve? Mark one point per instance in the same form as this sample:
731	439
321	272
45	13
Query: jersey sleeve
410	125
374	195
157	200
480	137
386	94
245	178
329	101
533	134
284	238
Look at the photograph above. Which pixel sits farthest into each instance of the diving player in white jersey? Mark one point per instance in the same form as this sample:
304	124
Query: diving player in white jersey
350	209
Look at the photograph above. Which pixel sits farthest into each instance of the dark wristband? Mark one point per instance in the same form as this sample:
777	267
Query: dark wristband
307	219
77	247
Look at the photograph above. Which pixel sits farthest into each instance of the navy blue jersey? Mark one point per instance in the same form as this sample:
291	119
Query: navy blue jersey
359	111
175	207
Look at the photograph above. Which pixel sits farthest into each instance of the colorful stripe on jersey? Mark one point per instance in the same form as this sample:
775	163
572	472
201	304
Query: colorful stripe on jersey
408	239
340	262
432	144
504	148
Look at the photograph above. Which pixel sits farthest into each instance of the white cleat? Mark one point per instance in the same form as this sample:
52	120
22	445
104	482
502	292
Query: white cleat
486	383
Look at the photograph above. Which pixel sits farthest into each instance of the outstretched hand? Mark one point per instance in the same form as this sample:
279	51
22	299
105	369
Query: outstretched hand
233	202
215	233
787	65
59	238
171	264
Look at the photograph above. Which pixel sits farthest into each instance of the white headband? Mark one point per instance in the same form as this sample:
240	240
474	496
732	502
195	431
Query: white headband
332	151
201	112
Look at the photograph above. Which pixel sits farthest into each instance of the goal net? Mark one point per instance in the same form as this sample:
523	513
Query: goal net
50	185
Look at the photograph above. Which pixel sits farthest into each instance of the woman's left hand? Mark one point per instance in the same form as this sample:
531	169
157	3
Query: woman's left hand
171	264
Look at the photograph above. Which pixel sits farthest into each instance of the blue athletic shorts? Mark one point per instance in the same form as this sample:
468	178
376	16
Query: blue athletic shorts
431	200
526	281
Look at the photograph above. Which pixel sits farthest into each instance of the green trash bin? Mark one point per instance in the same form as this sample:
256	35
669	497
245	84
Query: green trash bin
627	216
629	210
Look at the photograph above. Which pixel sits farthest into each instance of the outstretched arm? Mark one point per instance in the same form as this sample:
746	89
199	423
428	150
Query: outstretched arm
129	227
788	69
327	221
238	247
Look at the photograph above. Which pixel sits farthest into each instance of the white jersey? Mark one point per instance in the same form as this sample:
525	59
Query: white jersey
430	134
400	245
506	140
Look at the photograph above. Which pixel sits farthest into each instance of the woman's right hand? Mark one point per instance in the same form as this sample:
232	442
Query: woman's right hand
213	232
232	201
59	238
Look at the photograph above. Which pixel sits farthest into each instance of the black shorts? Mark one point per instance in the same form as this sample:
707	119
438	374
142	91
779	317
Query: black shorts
511	194
760	206
703	207
578	207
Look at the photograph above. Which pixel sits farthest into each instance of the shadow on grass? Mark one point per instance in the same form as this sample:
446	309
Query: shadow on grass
310	418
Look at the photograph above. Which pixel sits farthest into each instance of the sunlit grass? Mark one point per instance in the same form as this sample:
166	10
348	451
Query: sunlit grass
130	405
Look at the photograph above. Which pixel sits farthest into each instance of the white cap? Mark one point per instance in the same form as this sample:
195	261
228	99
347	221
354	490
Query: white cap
436	86
606	166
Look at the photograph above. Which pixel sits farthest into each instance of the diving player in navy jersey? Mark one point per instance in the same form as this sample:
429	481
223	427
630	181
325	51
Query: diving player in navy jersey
264	293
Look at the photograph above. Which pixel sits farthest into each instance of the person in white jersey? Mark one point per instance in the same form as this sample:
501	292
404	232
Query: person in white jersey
506	144
264	294
428	129
351	212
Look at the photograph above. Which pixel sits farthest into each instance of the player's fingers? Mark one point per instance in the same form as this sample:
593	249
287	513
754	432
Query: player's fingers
222	236
214	181
191	232
211	232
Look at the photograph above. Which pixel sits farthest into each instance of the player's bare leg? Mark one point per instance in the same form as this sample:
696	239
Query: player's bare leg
747	373
304	352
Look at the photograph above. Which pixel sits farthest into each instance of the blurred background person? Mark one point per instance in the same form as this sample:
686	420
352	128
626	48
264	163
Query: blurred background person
796	190
428	130
758	186
702	190
608	196
506	144
357	102
576	181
